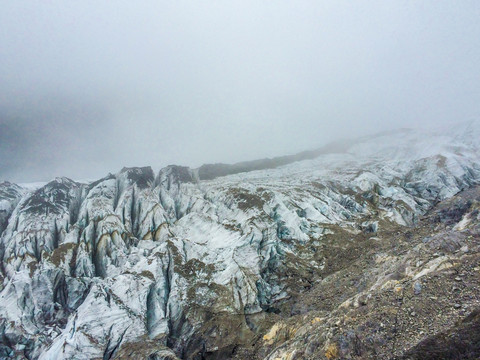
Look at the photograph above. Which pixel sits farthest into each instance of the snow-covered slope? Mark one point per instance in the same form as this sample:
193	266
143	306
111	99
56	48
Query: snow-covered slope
93	270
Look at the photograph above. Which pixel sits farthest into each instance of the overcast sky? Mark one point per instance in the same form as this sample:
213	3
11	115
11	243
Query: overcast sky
87	87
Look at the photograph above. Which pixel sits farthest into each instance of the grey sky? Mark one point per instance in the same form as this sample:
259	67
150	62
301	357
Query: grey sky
87	87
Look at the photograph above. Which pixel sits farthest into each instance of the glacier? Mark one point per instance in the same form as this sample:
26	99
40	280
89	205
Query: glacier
146	265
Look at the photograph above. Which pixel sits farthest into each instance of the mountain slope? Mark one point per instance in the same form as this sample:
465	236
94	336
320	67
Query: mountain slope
173	266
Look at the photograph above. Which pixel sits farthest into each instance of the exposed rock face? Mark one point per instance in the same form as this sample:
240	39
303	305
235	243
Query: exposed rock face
315	259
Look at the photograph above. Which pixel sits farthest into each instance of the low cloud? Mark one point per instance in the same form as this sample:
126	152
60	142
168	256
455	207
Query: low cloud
87	88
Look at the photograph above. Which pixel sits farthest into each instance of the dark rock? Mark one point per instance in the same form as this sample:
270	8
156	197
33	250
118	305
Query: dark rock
461	342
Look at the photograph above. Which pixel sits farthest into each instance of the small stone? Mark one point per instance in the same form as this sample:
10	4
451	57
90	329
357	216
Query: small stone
398	290
458	278
362	300
464	249
457	306
417	287
413	313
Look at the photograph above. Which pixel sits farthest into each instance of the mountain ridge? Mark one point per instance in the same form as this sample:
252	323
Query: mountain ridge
195	268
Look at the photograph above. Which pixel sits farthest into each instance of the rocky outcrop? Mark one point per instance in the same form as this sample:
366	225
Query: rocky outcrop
392	296
462	341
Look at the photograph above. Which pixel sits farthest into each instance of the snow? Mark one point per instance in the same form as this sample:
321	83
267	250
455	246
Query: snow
32	186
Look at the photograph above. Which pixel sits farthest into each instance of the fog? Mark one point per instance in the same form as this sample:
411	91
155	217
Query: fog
88	87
